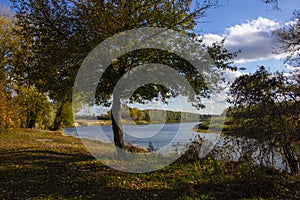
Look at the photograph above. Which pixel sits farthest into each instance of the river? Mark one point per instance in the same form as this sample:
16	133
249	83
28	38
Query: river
161	136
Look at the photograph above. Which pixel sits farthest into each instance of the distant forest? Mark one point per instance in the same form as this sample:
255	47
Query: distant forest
151	116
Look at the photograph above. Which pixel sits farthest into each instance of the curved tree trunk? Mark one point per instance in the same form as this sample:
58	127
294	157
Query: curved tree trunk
116	123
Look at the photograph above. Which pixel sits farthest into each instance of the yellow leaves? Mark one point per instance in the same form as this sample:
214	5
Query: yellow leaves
8	110
135	183
10	41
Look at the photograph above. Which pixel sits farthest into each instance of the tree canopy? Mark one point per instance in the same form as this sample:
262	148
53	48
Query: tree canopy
266	107
63	32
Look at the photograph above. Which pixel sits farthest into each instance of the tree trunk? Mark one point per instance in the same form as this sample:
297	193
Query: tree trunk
116	123
58	117
30	121
291	160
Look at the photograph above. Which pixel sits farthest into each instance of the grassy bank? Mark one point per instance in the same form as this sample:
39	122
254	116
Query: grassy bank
49	165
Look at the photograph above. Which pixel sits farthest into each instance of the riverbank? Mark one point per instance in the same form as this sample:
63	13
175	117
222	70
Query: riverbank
50	165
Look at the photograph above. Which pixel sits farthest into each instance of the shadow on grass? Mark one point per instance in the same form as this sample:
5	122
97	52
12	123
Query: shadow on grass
36	174
49	174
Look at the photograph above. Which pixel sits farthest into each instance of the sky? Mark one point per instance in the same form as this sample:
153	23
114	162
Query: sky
247	26
5	2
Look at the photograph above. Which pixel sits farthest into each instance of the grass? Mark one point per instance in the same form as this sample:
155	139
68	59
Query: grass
49	165
213	125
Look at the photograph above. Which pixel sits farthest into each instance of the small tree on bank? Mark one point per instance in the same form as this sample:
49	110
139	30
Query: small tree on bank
266	107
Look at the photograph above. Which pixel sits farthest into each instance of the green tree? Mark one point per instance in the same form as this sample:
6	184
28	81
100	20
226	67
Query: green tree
266	107
16	68
67	115
63	32
47	27
36	108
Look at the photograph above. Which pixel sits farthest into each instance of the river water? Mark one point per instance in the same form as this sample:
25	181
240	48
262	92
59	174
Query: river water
161	136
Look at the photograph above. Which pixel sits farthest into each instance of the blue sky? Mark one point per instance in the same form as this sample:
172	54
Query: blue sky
257	20
247	25
232	12
222	20
5	2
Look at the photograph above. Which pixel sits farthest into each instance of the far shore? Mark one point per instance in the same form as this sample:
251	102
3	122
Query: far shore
84	122
108	122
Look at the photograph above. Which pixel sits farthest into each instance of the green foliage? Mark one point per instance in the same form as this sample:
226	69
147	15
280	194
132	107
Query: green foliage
67	116
36	106
213	123
221	56
266	107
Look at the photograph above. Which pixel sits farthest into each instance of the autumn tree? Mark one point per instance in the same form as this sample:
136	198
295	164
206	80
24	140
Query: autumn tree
63	32
46	27
9	108
266	107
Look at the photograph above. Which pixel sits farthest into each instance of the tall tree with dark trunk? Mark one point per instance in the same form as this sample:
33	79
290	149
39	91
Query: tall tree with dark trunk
63	32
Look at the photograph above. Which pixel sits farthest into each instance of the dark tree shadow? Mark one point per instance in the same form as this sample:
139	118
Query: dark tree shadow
30	174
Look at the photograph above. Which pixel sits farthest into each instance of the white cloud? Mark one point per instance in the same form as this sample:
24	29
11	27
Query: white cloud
292	23
211	38
230	76
253	38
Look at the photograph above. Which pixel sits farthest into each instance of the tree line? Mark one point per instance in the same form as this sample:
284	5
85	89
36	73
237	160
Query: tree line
147	116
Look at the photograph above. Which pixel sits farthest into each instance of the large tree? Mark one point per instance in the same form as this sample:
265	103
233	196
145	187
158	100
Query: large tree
174	15
46	27
63	32
16	62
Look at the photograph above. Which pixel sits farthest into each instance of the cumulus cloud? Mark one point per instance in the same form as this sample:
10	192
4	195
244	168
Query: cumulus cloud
253	38
230	76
